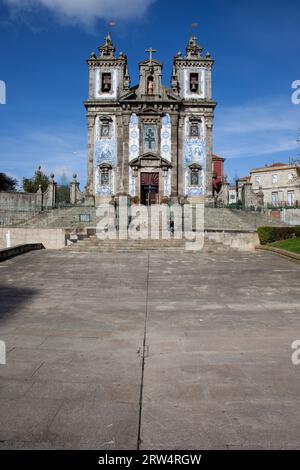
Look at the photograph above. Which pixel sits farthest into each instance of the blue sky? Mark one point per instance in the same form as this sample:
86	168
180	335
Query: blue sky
44	45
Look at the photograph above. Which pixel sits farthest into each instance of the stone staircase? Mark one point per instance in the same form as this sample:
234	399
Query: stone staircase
228	219
94	244
215	218
65	217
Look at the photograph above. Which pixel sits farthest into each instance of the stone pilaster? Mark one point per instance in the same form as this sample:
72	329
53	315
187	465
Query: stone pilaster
91	121
209	150
180	157
91	82
174	155
124	170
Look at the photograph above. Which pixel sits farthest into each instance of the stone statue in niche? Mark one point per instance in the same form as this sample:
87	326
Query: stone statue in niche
150	86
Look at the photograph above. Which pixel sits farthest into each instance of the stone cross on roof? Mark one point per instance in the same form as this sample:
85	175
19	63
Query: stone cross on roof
151	51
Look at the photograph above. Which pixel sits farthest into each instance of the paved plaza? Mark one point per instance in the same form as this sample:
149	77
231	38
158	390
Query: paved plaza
161	351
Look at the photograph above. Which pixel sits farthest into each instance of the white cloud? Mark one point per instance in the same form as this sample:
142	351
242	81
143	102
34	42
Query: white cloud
85	11
262	128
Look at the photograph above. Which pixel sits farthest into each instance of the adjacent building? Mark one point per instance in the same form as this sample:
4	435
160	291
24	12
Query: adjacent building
218	173
280	184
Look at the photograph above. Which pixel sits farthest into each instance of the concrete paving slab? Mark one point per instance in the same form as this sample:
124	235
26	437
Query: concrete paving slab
218	371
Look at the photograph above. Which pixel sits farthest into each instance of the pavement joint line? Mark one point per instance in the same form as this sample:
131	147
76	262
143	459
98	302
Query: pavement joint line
143	358
37	369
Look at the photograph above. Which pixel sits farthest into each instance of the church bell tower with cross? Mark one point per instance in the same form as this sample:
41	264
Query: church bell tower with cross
151	76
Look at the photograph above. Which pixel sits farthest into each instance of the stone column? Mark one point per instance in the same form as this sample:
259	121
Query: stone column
225	193
174	155
49	197
208	84
91	121
74	190
39	198
247	195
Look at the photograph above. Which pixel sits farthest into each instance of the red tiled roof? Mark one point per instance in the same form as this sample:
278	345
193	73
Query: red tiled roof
274	165
243	178
216	158
278	164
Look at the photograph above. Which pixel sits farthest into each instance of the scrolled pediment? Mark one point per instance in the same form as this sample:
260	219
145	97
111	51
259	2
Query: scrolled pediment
150	159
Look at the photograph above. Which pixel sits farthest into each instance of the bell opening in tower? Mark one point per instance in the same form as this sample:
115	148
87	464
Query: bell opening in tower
194	82
106	83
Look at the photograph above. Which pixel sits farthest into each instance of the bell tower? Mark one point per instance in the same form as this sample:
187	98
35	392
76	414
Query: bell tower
108	81
109	76
150	77
192	83
193	72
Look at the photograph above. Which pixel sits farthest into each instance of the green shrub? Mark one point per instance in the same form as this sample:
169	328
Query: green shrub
236	205
274	234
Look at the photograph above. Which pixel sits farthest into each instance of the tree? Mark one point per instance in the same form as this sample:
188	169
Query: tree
7	183
31	185
63	190
63	194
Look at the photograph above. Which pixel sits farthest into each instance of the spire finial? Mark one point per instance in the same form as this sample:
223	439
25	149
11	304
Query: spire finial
193	49
108	50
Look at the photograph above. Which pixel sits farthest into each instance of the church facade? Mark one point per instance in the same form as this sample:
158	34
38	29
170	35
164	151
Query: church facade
148	141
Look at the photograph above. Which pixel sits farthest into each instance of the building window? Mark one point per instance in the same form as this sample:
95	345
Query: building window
290	177
194	82
104	178
257	179
274	179
194	129
105	129
106	83
275	199
195	178
291	198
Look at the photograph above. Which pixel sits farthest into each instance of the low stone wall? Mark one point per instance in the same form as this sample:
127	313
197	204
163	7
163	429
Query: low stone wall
52	239
239	240
21	201
7	253
286	254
